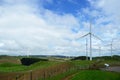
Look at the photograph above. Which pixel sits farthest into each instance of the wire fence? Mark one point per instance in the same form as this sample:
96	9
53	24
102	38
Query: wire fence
38	74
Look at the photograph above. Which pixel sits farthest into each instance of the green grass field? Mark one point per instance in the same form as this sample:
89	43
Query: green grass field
11	67
79	69
84	65
96	75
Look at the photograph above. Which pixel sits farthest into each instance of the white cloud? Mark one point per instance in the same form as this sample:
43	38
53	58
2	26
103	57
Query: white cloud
28	29
107	18
1	44
25	26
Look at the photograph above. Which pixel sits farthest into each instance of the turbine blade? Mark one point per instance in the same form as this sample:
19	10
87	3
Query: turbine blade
84	35
96	37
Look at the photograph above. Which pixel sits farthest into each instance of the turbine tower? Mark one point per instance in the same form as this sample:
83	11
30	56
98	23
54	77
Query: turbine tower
86	49
25	49
90	34
99	51
111	47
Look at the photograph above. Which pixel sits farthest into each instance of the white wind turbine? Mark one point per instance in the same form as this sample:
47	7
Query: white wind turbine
111	47
86	49
24	49
90	34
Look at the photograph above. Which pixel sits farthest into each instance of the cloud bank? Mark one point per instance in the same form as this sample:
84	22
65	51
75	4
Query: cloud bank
28	26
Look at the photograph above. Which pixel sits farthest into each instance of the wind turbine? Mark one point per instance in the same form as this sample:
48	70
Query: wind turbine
86	49
24	49
111	47
90	34
99	51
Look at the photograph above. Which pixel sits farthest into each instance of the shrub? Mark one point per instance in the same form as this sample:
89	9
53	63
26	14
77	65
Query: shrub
29	61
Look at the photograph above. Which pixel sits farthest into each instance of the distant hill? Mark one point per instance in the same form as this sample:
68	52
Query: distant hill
9	59
80	58
114	57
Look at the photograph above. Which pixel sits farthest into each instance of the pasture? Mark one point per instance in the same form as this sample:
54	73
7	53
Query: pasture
96	75
57	69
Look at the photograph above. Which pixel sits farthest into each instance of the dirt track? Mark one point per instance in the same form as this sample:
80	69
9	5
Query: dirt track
69	76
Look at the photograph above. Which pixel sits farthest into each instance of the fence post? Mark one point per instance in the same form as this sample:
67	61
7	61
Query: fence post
44	75
30	74
16	77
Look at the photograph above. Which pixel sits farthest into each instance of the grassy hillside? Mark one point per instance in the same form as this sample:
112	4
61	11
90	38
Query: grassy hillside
56	70
96	75
11	67
9	59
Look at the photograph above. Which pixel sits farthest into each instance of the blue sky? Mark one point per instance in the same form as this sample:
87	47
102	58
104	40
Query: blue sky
67	6
53	27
